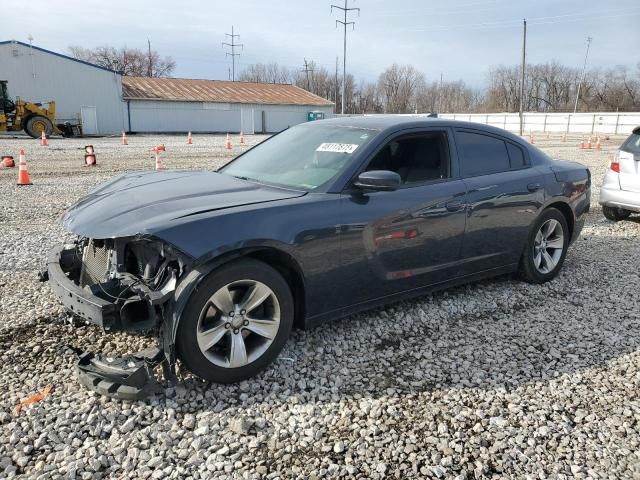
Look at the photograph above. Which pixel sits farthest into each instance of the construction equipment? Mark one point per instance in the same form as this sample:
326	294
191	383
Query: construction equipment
27	116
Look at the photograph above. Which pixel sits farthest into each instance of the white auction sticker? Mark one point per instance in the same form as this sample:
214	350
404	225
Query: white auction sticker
337	147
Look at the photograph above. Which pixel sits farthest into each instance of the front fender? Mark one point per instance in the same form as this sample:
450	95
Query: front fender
202	268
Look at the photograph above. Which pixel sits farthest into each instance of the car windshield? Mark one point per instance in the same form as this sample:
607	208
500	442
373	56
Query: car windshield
303	157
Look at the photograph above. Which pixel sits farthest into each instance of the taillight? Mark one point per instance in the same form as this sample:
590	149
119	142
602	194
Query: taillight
615	164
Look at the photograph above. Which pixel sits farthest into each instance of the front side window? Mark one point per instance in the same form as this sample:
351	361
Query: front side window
303	157
481	154
416	158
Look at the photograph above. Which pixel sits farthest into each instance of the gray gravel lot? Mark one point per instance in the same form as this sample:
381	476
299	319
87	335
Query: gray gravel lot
496	379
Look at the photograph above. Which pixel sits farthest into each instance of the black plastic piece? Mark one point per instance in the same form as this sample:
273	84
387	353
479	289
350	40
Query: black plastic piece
122	378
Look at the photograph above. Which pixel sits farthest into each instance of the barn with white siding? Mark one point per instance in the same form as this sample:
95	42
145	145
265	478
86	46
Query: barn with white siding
105	102
180	105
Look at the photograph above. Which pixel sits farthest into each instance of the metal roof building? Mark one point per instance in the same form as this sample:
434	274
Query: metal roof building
176	105
105	102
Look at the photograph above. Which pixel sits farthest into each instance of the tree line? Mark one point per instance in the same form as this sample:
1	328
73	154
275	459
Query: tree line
129	61
549	87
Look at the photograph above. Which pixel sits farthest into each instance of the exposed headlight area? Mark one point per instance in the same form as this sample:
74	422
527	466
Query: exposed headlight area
134	276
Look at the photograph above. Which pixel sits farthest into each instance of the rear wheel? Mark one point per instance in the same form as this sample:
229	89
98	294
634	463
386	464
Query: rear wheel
236	323
38	124
615	214
546	247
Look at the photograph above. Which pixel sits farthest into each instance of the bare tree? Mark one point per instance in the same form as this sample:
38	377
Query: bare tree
129	61
399	85
266	73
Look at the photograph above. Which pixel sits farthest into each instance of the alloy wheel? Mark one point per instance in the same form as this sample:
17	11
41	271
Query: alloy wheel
238	323
548	246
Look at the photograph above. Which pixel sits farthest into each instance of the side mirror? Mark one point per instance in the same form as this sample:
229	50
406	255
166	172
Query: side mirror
378	180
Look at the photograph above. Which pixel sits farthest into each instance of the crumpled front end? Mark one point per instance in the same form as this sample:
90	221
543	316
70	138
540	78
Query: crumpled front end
120	284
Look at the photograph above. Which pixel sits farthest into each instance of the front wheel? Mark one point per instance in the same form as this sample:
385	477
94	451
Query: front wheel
38	124
236	323
546	247
615	214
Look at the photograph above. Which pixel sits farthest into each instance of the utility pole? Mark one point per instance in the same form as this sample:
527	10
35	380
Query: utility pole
524	67
344	23
233	53
439	109
306	70
584	70
150	66
335	93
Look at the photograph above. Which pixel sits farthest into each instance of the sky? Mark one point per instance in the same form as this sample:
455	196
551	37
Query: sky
460	39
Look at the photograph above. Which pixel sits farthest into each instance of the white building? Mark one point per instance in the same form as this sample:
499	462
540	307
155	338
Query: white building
180	105
84	93
104	102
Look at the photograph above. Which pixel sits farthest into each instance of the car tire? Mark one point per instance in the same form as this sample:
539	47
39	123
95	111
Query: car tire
227	347
546	247
38	124
615	214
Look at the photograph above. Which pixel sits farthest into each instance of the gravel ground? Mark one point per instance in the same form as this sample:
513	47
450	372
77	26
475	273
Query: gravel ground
496	379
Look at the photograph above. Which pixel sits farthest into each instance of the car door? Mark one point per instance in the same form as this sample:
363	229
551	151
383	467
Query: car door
504	195
392	241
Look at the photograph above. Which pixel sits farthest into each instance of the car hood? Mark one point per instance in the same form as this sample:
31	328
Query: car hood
146	202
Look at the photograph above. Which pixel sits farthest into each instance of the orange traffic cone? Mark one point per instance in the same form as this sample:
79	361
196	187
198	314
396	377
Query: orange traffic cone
90	156
43	140
589	146
228	142
7	162
597	143
189	139
241	137
124	138
582	144
23	173
159	165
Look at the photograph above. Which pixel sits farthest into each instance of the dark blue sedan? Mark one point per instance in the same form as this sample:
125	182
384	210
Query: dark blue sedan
320	221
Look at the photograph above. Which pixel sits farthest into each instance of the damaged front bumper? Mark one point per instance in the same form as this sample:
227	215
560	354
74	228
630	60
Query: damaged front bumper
100	303
140	301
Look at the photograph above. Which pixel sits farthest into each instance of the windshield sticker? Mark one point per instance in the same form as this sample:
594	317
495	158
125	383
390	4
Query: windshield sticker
337	147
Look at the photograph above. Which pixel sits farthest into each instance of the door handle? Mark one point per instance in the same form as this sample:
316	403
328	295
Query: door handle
534	187
454	206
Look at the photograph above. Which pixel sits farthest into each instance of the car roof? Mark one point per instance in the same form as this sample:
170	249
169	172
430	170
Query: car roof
395	122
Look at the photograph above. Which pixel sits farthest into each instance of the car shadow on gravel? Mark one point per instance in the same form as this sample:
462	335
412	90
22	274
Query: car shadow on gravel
500	333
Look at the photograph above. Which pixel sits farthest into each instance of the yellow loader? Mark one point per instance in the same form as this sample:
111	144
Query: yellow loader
27	116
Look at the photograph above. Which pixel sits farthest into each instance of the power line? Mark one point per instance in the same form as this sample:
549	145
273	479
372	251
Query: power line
567	18
233	53
344	23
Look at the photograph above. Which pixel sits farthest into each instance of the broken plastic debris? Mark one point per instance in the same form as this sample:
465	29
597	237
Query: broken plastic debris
34	398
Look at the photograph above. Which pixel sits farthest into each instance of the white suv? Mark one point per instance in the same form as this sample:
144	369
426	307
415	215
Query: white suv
620	192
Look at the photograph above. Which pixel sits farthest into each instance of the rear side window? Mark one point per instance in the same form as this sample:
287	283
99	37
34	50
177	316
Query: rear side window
516	155
481	154
632	144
